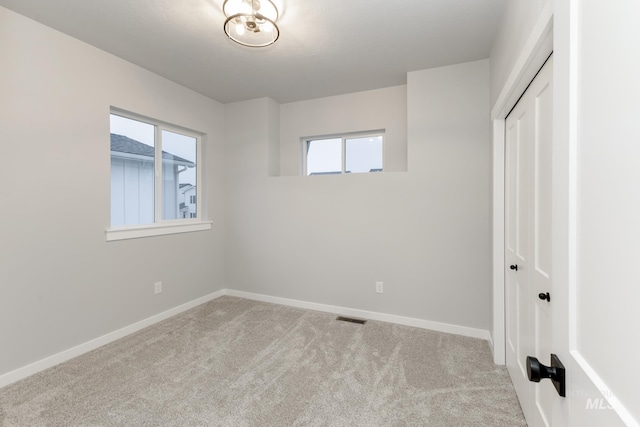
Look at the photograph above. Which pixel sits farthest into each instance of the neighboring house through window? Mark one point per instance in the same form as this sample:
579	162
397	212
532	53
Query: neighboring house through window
153	172
188	204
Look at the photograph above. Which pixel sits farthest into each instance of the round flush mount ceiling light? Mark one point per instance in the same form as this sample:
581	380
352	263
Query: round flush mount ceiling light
251	22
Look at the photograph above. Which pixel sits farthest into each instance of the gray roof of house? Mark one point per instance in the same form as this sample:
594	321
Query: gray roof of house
124	144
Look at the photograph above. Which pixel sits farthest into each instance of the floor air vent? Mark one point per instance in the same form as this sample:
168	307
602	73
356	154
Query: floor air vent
351	320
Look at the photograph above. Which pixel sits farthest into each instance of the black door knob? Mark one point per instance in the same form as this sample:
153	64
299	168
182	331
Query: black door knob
536	371
544	296
514	267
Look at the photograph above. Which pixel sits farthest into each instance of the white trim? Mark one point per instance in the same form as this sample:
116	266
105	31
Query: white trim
536	50
490	340
199	177
160	226
533	54
63	356
499	339
158	168
364	314
304	141
605	391
161	229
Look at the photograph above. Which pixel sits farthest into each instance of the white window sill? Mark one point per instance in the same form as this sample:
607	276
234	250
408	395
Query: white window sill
135	232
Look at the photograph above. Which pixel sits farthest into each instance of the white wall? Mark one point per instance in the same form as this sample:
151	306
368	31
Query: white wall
61	283
608	211
327	239
517	24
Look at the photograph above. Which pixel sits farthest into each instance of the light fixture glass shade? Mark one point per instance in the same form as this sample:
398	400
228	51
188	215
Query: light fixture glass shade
251	22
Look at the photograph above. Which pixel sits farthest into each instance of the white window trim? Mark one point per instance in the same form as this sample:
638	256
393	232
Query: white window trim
161	226
137	231
304	141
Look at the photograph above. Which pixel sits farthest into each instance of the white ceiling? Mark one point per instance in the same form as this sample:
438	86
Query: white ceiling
326	47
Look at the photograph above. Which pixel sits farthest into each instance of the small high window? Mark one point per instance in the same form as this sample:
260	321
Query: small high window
352	153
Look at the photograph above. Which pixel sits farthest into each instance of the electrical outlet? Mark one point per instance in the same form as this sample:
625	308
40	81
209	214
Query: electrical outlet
157	287
379	287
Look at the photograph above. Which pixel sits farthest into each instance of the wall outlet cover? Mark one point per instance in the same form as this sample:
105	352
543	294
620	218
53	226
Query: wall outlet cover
379	287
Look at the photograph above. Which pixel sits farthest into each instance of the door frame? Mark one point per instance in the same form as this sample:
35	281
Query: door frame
533	55
563	37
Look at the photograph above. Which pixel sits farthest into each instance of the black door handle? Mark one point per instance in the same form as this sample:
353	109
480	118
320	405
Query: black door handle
514	267
536	371
544	296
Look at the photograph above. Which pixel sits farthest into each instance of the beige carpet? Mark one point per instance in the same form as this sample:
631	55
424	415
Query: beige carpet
236	362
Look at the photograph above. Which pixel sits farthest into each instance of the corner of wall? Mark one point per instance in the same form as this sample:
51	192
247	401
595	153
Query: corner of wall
273	124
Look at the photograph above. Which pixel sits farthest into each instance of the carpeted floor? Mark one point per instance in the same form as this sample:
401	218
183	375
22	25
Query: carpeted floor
236	362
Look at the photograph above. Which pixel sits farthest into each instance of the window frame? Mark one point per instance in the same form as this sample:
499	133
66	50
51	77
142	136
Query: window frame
162	226
305	141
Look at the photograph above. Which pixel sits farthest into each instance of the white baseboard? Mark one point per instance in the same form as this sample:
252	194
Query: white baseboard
63	356
383	317
492	347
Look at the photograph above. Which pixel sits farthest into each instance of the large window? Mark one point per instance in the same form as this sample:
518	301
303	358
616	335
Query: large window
353	153
154	174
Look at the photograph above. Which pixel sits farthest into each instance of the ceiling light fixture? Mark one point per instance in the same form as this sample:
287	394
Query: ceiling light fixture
251	22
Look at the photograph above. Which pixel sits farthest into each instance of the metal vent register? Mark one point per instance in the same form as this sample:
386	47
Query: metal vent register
351	320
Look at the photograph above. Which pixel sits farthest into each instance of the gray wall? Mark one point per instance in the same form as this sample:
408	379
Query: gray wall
61	283
362	111
423	230
327	239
